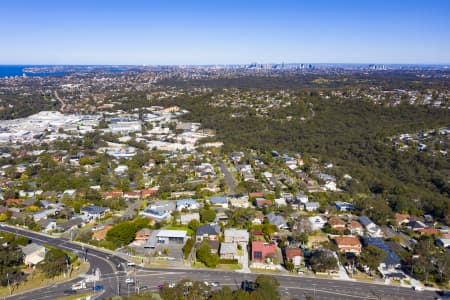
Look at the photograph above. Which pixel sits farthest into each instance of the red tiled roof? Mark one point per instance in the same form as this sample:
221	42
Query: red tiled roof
347	241
401	217
149	192
113	194
354	224
264	248
428	231
293	252
256	194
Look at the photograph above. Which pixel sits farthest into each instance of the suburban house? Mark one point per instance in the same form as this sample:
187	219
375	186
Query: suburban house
186	218
311	206
392	261
167	237
337	223
187	204
228	250
302	198
34	254
44	214
262	202
209	232
213	245
239	201
348	244
295	256
263	252
142	235
94	212
219	201
132	195
47	225
232	235
317	222
443	242
280	202
428	231
112	194
402	219
71	224
259	218
148	193
343	206
277	220
355	227
415	225
372	229
159	210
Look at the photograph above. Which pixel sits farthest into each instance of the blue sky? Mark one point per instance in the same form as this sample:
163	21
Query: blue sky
224	32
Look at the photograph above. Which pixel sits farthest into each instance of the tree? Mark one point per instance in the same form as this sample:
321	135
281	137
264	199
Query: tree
323	261
205	256
188	247
443	267
55	263
266	288
207	215
372	256
193	224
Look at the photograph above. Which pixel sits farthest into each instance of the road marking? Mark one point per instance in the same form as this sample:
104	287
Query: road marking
328	292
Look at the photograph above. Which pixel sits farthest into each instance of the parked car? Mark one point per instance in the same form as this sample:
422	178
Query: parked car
98	288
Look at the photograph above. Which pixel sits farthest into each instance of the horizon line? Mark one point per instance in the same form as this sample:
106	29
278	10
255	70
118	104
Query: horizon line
228	64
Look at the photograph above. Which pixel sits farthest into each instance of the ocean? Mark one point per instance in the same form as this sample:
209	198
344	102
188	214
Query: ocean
17	70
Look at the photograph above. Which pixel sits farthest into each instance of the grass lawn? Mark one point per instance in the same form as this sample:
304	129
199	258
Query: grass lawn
76	296
229	266
38	280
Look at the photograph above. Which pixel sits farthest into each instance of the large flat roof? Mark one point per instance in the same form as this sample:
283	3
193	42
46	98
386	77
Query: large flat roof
172	233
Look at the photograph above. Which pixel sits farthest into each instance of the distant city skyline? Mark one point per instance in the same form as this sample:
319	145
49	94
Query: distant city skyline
176	32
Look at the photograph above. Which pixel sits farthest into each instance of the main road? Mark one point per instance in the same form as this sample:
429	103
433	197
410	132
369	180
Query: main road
113	276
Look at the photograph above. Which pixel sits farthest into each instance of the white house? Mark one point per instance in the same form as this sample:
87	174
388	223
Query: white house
373	229
317	222
94	212
187	204
280	202
219	201
233	235
311	206
34	254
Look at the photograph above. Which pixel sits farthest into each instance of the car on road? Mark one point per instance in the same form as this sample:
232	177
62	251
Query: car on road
215	283
129	280
98	288
172	285
79	285
417	288
144	287
161	286
70	292
131	264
